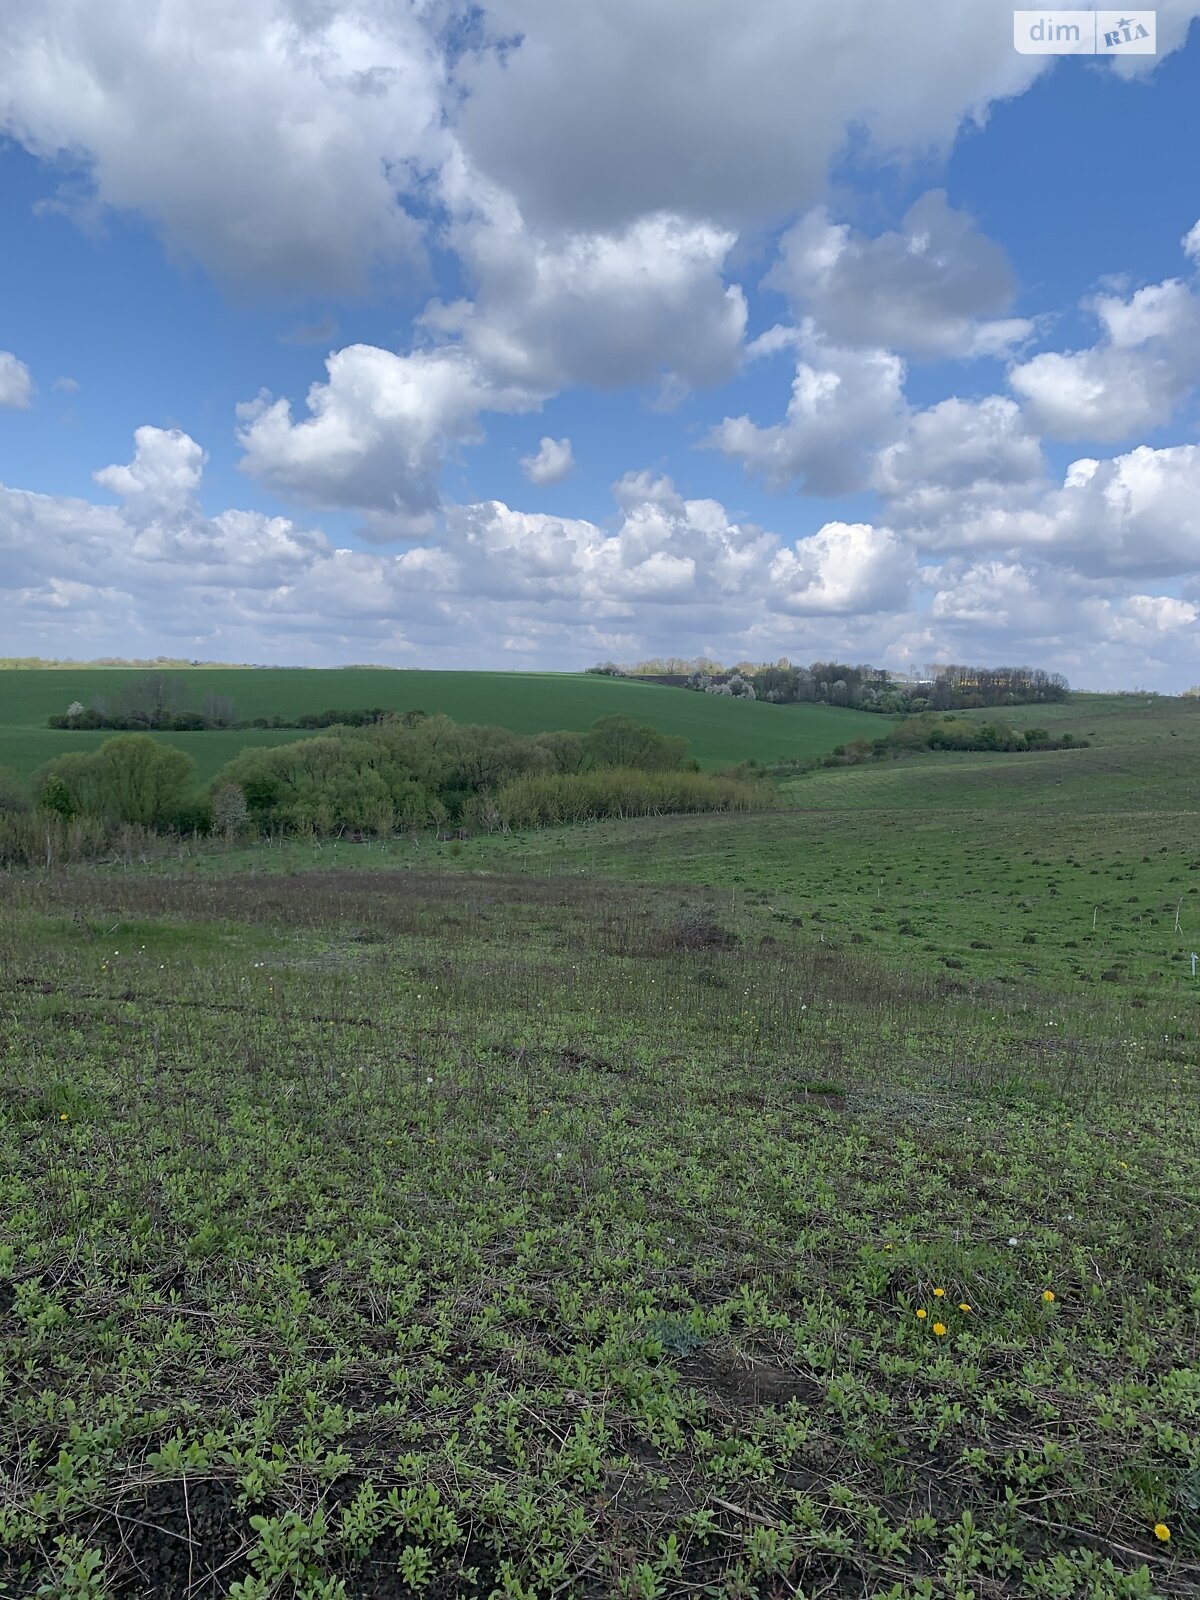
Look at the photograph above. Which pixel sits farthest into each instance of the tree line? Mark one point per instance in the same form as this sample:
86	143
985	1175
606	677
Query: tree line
155	703
839	683
932	731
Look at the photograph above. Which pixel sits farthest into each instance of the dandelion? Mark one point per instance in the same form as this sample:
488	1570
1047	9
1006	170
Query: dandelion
1161	1532
963	1306
939	1328
62	1117
887	1247
922	1314
940	1293
1048	1296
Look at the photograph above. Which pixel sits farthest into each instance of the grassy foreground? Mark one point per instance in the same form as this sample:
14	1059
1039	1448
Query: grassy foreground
721	731
619	1210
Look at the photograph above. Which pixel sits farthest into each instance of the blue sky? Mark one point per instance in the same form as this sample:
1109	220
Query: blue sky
341	333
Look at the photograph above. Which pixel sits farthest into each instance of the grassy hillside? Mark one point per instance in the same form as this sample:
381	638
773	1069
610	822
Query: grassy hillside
720	730
994	866
799	1203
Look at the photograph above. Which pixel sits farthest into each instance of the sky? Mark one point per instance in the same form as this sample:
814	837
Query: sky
526	335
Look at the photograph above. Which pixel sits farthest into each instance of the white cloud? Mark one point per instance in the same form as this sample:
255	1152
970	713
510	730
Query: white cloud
844	404
267	139
851	568
155	574
1136	513
1128	383
590	307
955	462
16	382
210	120
1191	242
707	109
164	473
66	385
1042	608
923	289
552	462
377	434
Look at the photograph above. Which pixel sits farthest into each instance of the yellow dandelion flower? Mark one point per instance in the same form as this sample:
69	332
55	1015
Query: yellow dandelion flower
963	1306
940	1293
939	1328
62	1117
1048	1296
887	1247
1162	1532
922	1314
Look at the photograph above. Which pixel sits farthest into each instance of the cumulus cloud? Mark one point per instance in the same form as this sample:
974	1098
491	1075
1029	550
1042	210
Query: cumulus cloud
214	120
844	404
705	109
590	307
155	573
377	433
16	382
211	120
1137	513
844	567
1130	381
1043	608
164	473
933	288
551	463
954	463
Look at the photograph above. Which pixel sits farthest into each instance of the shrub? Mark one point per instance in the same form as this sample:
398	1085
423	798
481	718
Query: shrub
696	929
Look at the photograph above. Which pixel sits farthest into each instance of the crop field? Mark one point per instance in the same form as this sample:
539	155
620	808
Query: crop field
721	731
797	1204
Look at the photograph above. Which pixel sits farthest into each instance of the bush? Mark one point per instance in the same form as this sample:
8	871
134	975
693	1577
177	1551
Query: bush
697	930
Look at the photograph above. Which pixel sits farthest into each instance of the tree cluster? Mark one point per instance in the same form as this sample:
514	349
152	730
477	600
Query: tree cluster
945	732
394	771
154	703
839	683
413	772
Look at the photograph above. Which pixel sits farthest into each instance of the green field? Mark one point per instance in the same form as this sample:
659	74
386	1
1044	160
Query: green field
721	731
786	1204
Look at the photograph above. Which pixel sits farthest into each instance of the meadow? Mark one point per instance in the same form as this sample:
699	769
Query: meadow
796	1203
721	731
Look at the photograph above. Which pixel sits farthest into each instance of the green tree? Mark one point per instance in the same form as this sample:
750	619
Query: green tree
619	741
142	780
131	778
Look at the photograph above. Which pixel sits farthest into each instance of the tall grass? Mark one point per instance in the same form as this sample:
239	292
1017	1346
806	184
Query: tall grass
44	839
550	798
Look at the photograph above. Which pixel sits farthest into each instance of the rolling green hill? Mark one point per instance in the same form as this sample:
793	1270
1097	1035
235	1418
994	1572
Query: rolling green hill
720	730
